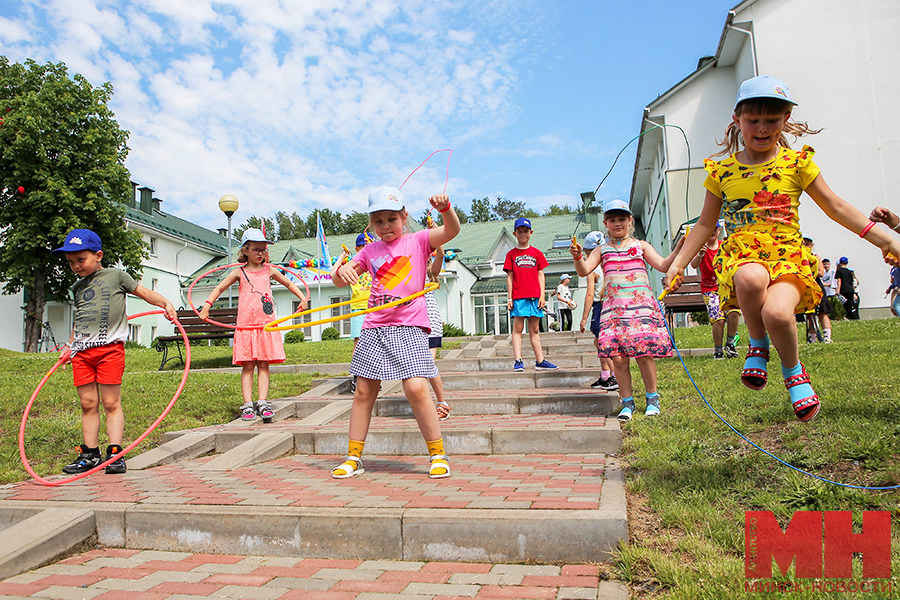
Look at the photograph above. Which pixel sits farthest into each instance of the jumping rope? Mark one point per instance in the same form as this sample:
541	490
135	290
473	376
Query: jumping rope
672	336
62	360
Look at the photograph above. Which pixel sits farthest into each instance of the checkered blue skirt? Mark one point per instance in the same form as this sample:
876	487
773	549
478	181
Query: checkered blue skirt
391	353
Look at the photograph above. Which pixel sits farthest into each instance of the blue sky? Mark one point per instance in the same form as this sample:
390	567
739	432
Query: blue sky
300	105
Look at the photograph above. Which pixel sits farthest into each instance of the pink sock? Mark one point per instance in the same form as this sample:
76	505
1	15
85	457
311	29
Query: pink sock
604	374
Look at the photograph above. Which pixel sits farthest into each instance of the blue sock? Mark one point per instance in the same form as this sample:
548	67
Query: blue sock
798	392
628	401
652	398
757	362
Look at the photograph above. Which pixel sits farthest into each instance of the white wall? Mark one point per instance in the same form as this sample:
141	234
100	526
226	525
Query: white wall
12	327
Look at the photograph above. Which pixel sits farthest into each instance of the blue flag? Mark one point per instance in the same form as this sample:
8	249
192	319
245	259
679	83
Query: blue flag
322	242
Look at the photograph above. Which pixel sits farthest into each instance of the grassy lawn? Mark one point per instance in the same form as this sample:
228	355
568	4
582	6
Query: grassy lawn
54	428
690	479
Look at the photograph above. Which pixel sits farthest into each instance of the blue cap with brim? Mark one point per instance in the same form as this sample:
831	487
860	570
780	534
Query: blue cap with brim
81	239
363	239
522	222
593	239
763	86
616	204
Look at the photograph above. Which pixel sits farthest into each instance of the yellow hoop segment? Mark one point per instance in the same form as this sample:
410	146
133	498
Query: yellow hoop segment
274	325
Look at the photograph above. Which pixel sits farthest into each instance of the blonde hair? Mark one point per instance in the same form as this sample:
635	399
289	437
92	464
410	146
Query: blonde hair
734	141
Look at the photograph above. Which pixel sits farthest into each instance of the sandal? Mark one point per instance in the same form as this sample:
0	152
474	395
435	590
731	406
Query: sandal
439	462
351	467
264	409
806	408
755	378
248	413
442	406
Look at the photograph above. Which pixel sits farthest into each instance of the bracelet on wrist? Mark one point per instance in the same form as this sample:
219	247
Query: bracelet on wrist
210	303
867	229
446	209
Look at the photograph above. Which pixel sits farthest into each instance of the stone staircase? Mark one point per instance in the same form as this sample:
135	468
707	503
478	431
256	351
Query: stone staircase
535	477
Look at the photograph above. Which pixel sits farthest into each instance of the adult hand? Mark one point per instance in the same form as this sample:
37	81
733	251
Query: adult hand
171	315
65	354
204	312
883	215
891	253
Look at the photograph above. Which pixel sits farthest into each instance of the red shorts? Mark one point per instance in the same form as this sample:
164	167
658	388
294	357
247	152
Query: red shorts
103	364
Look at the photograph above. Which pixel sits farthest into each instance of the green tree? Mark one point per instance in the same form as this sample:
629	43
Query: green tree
355	222
61	143
481	210
556	209
504	208
290	226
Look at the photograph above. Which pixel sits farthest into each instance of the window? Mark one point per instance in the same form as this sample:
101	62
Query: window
343	326
153	331
134	333
305	318
154	283
153	246
491	314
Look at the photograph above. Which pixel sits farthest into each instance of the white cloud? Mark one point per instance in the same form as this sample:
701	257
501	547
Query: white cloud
289	105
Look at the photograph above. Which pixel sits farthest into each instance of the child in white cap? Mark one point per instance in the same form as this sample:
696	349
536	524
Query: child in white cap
254	348
763	266
564	302
393	343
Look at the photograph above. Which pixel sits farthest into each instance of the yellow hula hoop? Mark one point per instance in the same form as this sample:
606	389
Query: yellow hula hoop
274	325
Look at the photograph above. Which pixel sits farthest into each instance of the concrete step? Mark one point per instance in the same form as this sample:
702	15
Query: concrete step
525	508
541	401
509	381
468	434
35	537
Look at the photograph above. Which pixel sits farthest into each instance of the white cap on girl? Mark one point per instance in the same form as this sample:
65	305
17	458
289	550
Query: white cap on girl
385	198
254	235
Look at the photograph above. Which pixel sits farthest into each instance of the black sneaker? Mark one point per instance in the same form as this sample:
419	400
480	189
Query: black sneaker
117	466
611	384
730	350
598	383
719	354
353	385
87	460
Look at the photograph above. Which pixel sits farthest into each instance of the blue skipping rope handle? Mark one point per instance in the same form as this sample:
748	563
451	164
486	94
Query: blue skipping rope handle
744	437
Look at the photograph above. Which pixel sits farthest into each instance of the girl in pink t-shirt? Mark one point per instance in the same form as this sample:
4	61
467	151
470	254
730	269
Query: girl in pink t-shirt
393	343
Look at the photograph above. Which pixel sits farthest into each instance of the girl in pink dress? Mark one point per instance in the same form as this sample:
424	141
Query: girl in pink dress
631	323
255	347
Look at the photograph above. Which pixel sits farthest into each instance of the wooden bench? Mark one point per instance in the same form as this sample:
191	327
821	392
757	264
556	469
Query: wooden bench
685	299
197	329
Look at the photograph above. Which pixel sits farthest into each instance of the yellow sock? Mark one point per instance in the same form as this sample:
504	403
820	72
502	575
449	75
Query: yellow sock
354	448
434	448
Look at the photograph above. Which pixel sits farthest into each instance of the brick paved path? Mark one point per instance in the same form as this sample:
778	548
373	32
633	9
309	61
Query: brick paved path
537	481
108	574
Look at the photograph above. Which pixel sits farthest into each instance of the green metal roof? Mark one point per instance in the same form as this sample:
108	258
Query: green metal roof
476	240
489	285
179	228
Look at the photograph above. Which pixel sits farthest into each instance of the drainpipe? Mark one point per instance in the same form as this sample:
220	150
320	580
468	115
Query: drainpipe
178	275
731	15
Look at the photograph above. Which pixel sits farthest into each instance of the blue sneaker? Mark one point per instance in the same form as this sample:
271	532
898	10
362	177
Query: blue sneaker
518	366
545	364
627	410
652	407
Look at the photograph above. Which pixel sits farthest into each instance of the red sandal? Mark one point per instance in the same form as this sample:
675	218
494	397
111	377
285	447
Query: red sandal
807	408
755	379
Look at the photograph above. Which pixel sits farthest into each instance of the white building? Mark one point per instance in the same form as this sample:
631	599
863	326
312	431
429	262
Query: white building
836	57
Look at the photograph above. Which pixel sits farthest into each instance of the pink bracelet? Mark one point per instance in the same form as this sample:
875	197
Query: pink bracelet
866	229
210	303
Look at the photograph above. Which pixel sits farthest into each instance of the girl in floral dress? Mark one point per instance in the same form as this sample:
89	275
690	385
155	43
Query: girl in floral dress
763	266
631	323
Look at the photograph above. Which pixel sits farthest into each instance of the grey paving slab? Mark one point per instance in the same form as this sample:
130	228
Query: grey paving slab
43	537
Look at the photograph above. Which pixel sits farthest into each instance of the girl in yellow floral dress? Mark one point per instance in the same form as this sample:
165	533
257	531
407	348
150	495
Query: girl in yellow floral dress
763	267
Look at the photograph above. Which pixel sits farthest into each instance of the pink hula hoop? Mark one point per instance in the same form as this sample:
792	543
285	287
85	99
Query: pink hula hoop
130	447
228	325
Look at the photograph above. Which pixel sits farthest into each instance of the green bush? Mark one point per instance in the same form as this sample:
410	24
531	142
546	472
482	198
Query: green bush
700	317
295	336
451	330
330	334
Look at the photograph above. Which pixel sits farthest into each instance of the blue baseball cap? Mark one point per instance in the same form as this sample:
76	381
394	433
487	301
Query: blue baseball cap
763	86
363	239
593	239
522	222
843	260
81	239
616	204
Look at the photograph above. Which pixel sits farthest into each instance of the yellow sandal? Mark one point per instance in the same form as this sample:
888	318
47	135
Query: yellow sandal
440	466
351	467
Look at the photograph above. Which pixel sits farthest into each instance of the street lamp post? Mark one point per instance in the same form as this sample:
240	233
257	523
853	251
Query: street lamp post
228	204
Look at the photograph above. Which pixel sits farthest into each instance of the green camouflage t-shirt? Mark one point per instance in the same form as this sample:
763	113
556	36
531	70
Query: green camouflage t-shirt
100	308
